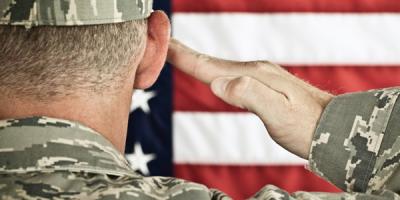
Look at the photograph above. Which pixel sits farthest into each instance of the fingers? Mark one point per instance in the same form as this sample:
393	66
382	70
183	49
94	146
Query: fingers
248	93
285	103
182	57
201	66
207	68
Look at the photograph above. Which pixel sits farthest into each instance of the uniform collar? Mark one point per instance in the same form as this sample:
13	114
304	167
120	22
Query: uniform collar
44	144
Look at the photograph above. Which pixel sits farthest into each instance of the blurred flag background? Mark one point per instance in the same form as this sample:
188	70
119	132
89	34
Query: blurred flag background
180	129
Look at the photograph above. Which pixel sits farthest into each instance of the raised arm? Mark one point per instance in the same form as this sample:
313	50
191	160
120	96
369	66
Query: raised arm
351	140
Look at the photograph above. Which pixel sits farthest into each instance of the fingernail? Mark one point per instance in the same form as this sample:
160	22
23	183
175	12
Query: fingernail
219	85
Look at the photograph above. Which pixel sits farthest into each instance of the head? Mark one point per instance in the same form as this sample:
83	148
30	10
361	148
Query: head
45	63
80	60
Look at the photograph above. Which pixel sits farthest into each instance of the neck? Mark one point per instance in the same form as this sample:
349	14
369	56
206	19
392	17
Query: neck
107	115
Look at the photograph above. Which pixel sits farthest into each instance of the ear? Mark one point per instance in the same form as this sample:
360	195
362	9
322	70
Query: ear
158	35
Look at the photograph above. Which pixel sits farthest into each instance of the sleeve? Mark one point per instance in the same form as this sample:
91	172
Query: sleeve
356	146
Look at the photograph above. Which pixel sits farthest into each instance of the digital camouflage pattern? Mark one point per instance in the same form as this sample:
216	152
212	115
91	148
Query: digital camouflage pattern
45	158
72	12
356	147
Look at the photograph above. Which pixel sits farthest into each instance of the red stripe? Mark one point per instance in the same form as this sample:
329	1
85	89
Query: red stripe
356	6
192	95
241	182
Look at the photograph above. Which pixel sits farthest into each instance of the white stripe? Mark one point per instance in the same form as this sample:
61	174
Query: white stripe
226	139
294	38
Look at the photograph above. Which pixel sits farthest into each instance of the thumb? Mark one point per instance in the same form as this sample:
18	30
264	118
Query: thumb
243	92
222	87
247	93
219	85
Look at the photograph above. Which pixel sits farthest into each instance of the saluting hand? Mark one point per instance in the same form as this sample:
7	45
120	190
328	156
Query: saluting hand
289	107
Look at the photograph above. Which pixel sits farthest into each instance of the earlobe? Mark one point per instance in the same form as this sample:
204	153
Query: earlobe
158	37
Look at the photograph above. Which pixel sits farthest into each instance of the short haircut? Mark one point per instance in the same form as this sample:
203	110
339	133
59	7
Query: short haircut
48	61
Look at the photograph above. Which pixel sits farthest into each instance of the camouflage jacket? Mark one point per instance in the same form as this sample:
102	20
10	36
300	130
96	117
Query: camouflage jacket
356	147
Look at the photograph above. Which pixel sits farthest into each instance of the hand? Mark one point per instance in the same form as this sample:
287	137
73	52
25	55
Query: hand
289	107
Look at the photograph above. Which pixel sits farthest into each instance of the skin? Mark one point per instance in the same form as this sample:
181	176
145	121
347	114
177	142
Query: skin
289	107
107	114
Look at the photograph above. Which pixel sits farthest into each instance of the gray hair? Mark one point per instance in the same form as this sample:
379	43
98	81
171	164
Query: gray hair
46	62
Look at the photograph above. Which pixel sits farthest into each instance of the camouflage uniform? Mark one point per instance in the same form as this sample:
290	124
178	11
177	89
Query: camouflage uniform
72	12
356	145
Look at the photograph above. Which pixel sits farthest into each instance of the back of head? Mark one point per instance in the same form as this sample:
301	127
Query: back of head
54	48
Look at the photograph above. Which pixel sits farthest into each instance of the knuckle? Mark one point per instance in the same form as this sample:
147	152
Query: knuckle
263	67
239	87
202	57
263	63
201	60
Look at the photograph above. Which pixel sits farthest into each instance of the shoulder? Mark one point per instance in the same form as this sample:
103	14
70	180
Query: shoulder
82	185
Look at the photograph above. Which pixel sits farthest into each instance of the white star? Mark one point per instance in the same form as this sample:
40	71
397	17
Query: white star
139	160
140	99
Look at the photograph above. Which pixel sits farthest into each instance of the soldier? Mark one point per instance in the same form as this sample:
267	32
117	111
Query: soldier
67	72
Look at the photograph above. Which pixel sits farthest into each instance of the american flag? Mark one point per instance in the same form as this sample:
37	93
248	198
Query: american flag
179	128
